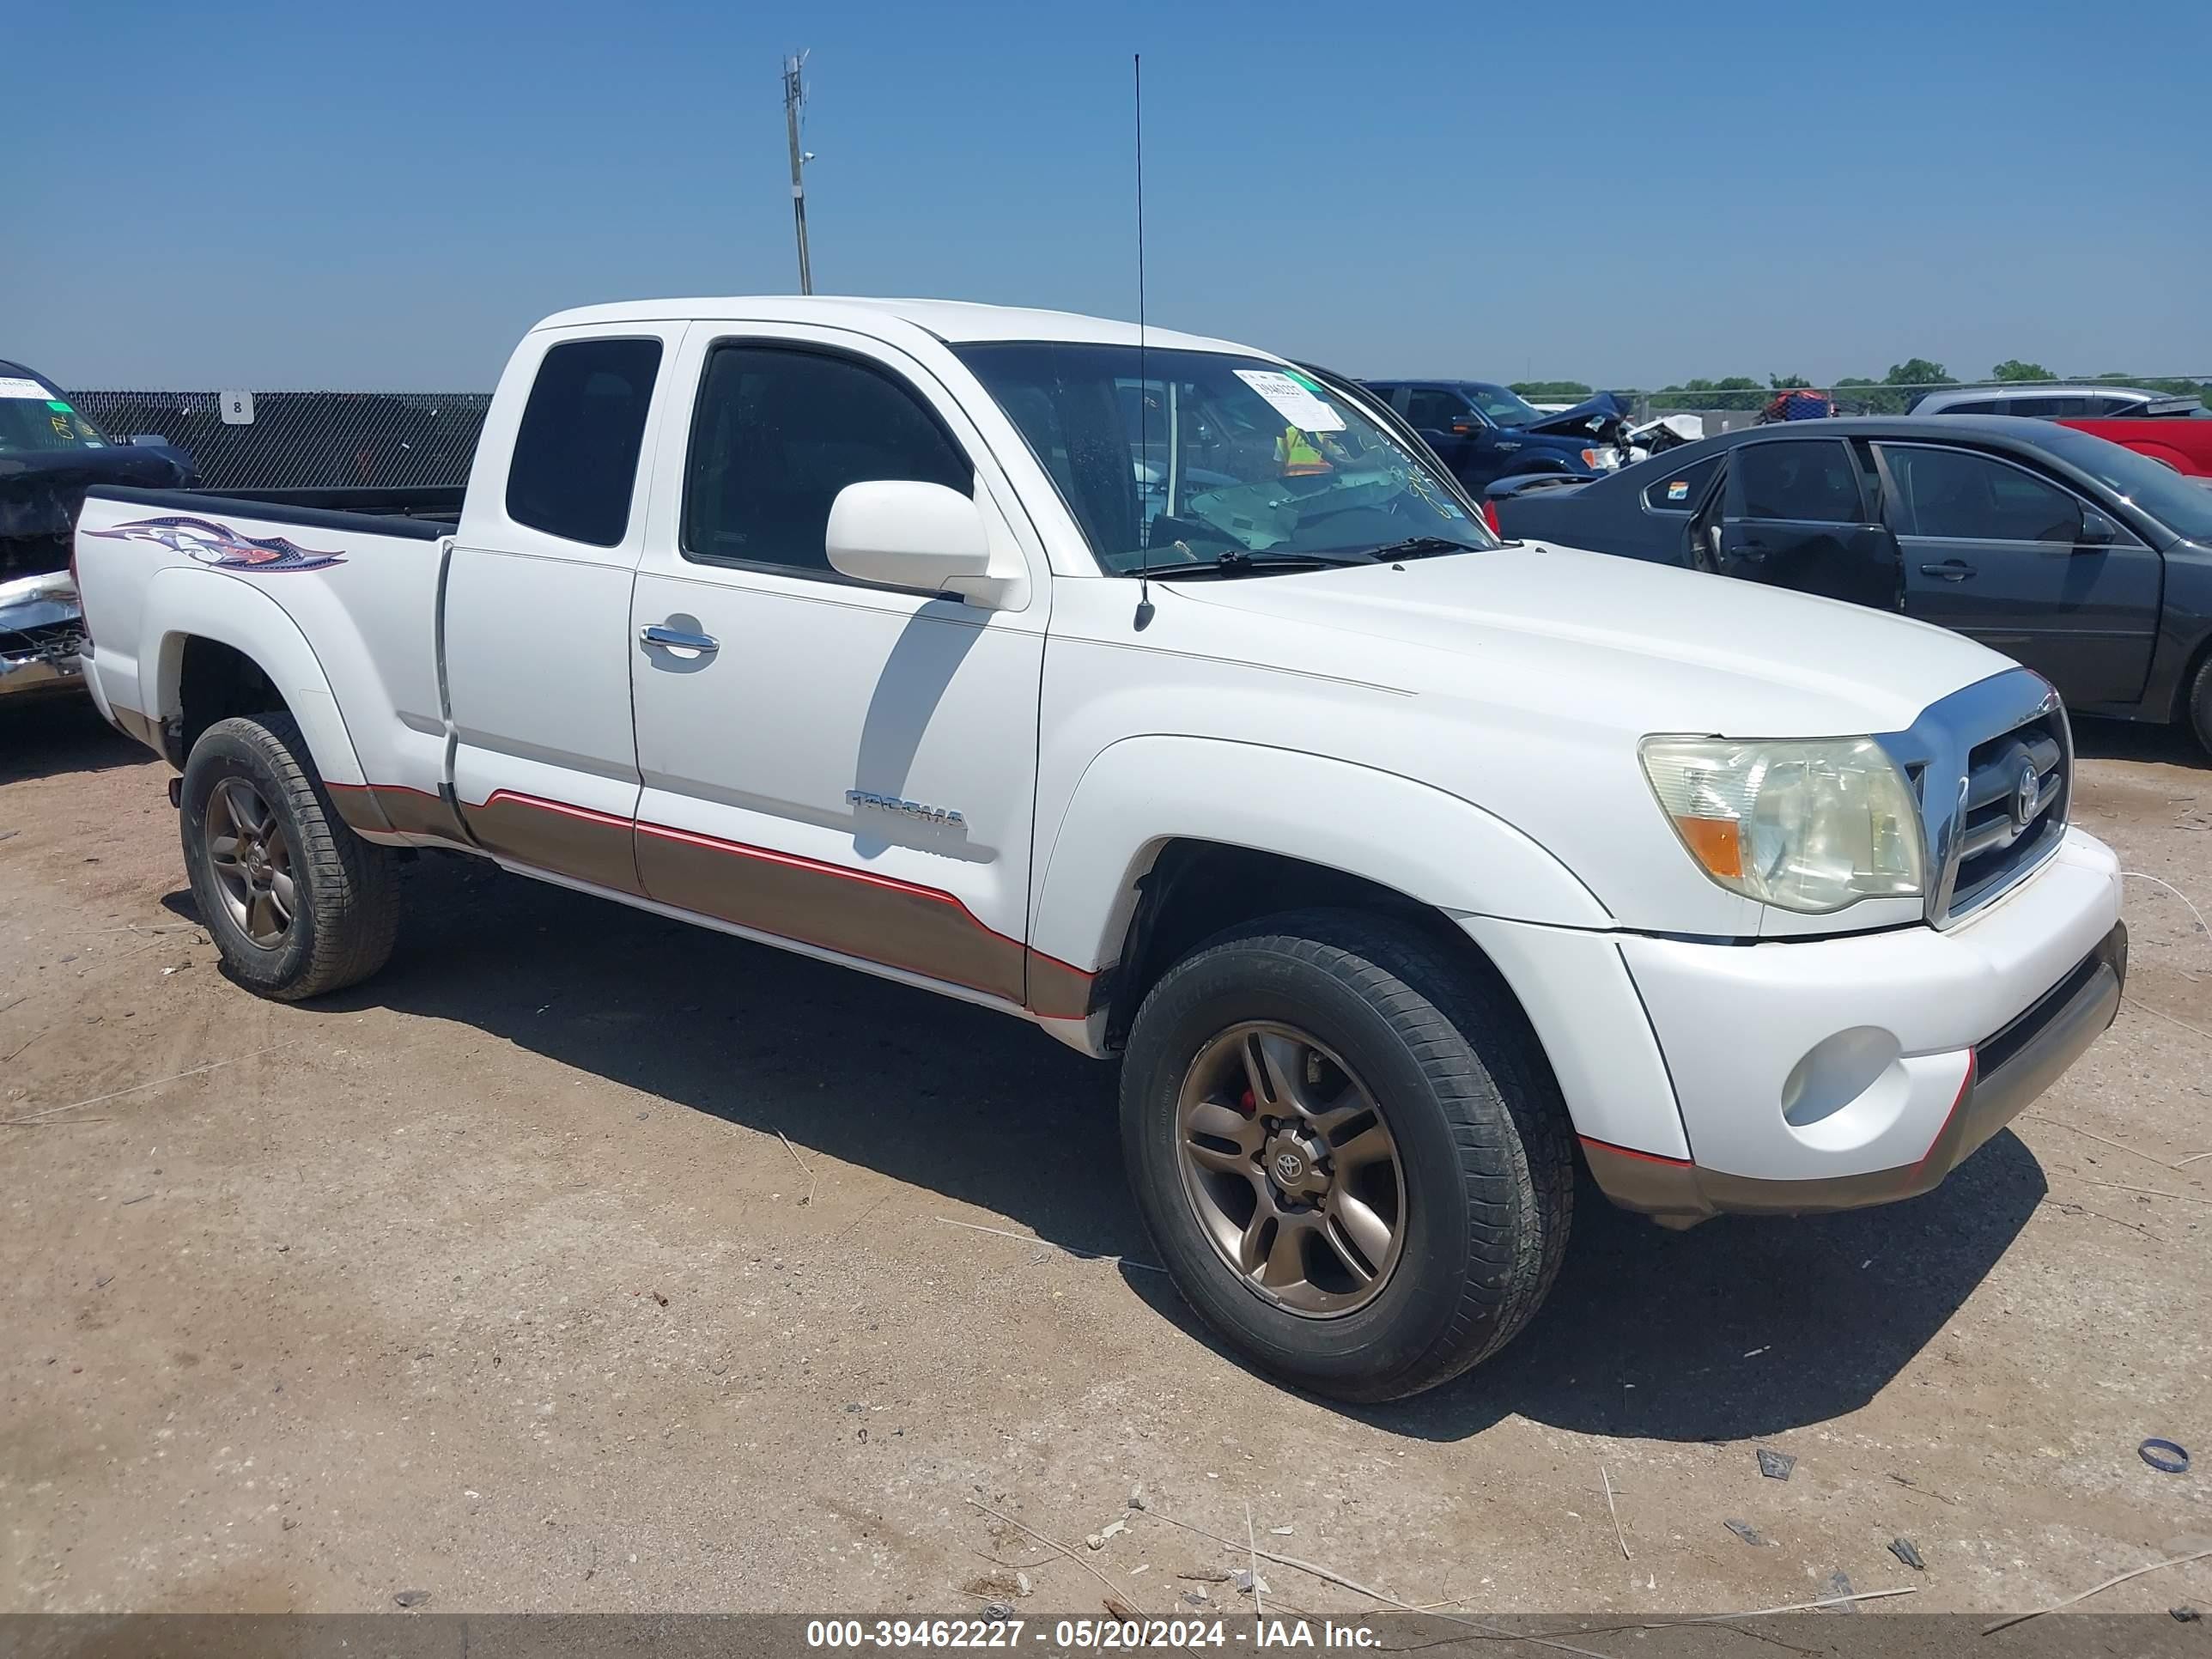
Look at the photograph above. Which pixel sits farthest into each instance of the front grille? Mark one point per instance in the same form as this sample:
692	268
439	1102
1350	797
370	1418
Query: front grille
2012	812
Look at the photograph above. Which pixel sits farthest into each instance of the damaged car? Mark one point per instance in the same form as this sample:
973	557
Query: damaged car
1483	431
50	454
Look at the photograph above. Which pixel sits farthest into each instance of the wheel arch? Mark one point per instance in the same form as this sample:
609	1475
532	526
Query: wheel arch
1164	835
223	649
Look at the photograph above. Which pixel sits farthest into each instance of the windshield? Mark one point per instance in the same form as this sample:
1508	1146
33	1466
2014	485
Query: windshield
34	417
1505	408
2178	503
1211	456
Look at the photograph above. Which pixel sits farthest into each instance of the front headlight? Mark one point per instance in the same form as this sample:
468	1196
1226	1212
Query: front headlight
1602	459
1810	826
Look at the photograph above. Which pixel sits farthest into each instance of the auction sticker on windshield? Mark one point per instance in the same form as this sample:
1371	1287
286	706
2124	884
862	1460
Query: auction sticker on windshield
1293	401
15	386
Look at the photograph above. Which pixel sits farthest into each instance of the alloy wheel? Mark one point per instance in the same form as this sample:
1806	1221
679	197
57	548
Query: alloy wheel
1290	1170
250	862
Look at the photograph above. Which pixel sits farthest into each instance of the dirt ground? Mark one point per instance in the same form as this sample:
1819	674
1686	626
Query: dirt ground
496	1279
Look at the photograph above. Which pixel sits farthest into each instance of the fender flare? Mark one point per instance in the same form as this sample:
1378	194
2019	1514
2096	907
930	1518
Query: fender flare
1139	793
189	603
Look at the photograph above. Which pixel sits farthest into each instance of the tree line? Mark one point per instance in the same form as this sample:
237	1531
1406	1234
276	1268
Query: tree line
1890	395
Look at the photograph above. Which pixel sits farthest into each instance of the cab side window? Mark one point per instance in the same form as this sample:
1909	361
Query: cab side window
1431	410
574	464
779	431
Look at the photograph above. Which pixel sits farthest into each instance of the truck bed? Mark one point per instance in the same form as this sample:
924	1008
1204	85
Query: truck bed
358	629
425	512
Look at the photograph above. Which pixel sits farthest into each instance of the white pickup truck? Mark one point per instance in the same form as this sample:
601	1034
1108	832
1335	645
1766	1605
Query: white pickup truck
1164	694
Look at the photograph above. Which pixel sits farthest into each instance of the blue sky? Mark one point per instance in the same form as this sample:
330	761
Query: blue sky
385	195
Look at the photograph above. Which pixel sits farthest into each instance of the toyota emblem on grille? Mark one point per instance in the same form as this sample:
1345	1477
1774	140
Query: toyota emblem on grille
2024	795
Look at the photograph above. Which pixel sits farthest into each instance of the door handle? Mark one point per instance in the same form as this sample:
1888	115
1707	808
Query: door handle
676	639
1951	570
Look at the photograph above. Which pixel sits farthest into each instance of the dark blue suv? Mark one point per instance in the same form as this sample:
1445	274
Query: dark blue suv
1482	431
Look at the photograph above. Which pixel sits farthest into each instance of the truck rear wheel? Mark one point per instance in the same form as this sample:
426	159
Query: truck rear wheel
1349	1150
297	903
2200	704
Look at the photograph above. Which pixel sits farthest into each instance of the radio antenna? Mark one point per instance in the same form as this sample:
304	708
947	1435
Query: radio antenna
1143	417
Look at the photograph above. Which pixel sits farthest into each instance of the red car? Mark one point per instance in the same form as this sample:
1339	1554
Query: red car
2175	430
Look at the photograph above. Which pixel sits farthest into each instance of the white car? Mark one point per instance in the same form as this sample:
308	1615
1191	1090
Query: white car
1160	694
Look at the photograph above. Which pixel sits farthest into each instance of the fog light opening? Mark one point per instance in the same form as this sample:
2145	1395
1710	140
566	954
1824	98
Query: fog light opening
1835	1073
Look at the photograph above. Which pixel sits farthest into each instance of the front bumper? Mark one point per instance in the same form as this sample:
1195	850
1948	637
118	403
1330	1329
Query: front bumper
1835	1073
23	676
41	631
2004	1075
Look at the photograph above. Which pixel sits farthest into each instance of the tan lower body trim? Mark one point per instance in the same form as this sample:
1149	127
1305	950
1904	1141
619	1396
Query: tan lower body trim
569	841
395	808
854	912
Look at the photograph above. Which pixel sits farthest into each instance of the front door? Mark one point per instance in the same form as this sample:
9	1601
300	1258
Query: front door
2009	558
1455	428
842	767
1794	515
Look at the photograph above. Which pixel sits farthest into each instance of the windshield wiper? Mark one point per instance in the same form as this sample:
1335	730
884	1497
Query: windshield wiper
1417	547
1237	562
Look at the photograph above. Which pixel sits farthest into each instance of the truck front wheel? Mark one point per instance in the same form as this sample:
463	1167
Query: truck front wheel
297	903
1350	1151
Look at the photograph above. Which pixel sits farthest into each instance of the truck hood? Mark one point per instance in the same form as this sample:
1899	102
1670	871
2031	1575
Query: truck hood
1601	419
1588	640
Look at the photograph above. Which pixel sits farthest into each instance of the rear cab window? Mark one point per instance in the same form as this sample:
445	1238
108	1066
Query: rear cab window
574	468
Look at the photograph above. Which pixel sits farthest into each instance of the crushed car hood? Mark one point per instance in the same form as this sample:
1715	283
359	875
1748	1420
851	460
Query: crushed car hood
1603	418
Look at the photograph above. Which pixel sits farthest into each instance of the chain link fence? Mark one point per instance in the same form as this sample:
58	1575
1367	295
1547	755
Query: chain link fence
305	440
426	439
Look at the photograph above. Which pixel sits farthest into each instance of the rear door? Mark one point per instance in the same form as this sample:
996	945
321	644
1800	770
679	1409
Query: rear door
1796	513
536	606
2015	559
829	763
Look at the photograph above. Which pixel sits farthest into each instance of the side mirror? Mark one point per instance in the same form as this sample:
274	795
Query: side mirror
906	534
2097	530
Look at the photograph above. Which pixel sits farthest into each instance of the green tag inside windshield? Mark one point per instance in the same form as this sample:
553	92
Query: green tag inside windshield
60	409
1305	380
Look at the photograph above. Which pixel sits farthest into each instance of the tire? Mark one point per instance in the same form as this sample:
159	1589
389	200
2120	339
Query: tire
345	911
1446	1061
2200	704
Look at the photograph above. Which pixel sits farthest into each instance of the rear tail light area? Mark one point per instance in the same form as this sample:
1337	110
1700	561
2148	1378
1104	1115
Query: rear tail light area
1489	517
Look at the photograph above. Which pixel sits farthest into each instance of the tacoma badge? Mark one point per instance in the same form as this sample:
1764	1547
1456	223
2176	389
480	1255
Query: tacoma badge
913	809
